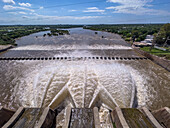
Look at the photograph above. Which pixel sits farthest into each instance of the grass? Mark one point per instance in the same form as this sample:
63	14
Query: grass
157	52
168	48
114	125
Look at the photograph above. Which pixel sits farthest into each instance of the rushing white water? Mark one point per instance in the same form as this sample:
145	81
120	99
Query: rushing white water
71	47
85	82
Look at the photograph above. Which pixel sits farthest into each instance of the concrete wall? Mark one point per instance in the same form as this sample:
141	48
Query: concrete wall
118	118
5	115
163	116
158	60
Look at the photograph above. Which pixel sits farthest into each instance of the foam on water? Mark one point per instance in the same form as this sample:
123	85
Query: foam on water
85	82
71	47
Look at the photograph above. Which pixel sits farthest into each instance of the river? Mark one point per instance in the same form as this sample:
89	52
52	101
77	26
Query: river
80	83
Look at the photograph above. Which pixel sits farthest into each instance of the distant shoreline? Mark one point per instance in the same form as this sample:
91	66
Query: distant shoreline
5	47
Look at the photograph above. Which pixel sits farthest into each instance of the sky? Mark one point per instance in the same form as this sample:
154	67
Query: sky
28	12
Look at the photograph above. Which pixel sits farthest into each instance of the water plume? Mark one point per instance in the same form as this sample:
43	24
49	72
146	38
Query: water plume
85	82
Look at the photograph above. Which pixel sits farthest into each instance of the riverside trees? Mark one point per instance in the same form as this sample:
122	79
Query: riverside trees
163	36
139	31
8	33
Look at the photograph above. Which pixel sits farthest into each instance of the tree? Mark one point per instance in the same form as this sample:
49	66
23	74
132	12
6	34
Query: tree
153	42
44	35
164	33
135	33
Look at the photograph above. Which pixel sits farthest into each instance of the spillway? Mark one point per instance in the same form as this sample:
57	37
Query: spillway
85	82
81	70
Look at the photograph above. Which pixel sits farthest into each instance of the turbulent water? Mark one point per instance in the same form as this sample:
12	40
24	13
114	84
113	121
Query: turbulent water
84	82
80	83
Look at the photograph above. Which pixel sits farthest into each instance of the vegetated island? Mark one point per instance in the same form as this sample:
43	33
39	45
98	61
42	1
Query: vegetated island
9	33
57	32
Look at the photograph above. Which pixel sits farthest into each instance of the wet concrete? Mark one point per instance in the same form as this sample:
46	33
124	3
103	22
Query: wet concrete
135	119
81	118
52	53
29	118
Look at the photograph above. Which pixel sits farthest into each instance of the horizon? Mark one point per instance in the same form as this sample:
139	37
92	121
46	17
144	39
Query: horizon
79	24
86	12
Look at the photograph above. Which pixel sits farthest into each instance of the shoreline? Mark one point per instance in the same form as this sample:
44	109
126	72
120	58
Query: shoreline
164	63
5	47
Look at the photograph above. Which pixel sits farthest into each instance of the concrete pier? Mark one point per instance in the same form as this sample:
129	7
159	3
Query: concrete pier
5	115
163	116
86	118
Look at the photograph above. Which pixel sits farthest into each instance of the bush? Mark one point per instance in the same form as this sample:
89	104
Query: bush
127	39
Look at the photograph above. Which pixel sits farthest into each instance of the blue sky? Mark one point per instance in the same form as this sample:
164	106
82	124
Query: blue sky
84	11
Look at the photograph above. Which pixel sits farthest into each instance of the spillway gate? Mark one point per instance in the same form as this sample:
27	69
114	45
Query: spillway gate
74	58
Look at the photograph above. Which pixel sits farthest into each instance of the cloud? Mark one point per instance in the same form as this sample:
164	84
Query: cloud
94	9
36	16
32	13
137	7
46	19
24	13
41	7
13	13
25	4
129	1
9	1
25	17
72	10
10	7
16	13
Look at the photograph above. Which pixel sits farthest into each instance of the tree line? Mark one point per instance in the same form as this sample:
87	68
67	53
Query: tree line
8	33
136	32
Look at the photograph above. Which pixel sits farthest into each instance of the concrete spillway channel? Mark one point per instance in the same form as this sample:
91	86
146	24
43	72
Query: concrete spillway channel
31	118
85	118
73	58
45	118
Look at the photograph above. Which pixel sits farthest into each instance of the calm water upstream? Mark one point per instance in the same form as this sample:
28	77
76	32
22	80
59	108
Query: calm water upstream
80	83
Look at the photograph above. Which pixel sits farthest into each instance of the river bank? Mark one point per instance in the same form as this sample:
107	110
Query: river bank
8	34
165	54
165	63
5	47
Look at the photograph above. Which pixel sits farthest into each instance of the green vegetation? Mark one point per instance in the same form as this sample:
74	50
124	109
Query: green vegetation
138	32
96	32
157	52
8	34
56	32
129	31
160	39
114	125
49	34
44	35
163	35
167	48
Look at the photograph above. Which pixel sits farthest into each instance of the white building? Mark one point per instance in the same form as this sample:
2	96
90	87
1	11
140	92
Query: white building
149	37
148	40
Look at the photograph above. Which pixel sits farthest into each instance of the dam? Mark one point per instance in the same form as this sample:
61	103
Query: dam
81	71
